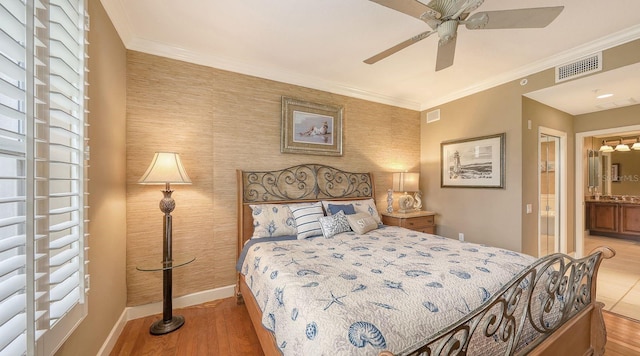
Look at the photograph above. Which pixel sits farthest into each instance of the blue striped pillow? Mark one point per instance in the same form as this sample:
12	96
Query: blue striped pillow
306	216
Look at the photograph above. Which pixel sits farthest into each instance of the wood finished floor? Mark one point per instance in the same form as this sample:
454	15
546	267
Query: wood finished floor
216	328
223	328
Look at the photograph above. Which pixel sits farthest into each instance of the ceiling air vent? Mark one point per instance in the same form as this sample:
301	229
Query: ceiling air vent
583	66
433	116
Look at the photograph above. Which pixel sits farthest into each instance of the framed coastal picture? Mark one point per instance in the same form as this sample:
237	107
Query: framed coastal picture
477	162
311	128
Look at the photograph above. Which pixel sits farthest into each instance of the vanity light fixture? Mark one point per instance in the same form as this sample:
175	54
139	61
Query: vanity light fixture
636	146
605	147
621	147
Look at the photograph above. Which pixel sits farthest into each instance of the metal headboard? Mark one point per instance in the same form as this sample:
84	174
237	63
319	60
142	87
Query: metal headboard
305	182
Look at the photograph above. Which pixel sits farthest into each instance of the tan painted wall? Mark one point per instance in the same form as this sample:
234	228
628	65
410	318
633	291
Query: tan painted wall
621	117
545	116
497	217
219	122
107	187
490	216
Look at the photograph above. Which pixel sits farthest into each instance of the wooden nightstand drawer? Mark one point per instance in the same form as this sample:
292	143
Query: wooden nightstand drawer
422	221
414	223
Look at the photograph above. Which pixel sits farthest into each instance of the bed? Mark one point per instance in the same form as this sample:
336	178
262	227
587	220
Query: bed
392	291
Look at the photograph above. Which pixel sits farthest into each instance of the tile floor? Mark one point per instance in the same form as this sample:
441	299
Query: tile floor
618	278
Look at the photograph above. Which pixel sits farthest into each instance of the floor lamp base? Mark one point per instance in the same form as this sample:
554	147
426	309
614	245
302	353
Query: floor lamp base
162	327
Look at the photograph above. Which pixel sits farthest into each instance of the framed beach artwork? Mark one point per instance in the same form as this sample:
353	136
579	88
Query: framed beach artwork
311	128
474	162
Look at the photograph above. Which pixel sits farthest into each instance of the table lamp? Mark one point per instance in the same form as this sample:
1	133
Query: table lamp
166	168
406	182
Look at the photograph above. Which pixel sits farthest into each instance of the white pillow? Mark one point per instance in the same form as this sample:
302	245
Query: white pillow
361	206
362	223
334	224
271	220
306	216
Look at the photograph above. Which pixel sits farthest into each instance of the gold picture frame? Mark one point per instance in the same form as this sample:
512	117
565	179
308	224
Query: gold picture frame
311	128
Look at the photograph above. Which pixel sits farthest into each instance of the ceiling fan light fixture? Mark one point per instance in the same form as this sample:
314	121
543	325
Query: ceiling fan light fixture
445	16
447	30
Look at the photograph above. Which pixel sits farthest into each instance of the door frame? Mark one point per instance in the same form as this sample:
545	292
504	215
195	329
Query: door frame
580	228
561	199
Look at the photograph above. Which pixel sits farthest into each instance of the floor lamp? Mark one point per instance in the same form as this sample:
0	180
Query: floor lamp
166	168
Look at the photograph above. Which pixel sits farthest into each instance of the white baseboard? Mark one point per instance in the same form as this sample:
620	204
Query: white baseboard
111	340
140	311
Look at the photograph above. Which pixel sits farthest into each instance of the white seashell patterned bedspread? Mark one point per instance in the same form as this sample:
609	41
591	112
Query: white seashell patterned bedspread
389	289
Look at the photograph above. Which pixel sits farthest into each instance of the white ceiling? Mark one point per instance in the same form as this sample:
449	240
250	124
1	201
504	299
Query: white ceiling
321	43
581	96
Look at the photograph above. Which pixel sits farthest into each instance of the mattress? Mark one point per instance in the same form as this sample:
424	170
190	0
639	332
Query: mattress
389	289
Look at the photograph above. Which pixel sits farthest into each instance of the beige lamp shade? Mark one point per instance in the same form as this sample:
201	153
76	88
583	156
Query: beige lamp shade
605	148
165	167
622	148
406	182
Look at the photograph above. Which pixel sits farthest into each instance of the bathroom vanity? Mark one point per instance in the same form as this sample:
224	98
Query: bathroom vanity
614	217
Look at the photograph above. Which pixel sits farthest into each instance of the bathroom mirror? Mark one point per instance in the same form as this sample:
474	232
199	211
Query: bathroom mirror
594	170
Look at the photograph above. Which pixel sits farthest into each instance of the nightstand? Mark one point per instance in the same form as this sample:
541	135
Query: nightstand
423	221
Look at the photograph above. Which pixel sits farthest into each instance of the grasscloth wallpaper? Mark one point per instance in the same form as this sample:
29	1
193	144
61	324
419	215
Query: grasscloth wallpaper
221	121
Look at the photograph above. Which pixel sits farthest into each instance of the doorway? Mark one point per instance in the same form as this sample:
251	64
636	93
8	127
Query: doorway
552	190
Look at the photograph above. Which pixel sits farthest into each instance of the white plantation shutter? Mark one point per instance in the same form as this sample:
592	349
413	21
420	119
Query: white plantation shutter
43	231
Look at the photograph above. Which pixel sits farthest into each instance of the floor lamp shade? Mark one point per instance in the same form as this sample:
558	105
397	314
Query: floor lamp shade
166	167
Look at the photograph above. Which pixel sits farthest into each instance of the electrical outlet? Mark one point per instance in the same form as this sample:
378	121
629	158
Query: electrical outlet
461	236
529	209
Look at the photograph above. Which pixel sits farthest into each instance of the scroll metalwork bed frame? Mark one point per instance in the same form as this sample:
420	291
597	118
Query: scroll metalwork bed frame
569	284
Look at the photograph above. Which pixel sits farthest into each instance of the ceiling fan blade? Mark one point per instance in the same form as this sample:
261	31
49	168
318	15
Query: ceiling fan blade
446	52
412	8
386	53
521	18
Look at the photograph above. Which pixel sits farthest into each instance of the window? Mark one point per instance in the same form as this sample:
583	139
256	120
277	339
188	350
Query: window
43	153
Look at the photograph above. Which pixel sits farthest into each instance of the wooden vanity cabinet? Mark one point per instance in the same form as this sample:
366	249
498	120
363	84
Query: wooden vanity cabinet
603	217
630	219
613	219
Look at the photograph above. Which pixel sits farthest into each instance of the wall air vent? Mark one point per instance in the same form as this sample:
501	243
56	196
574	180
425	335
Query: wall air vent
583	66
433	116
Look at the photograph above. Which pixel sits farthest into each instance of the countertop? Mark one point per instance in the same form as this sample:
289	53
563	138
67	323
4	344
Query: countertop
631	199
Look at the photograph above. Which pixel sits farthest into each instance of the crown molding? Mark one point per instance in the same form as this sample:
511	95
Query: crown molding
601	44
116	11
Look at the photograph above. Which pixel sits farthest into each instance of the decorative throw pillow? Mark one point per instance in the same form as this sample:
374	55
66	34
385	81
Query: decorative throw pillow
334	224
362	223
271	220
306	216
361	206
335	208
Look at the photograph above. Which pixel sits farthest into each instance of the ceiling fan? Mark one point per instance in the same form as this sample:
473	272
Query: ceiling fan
444	16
